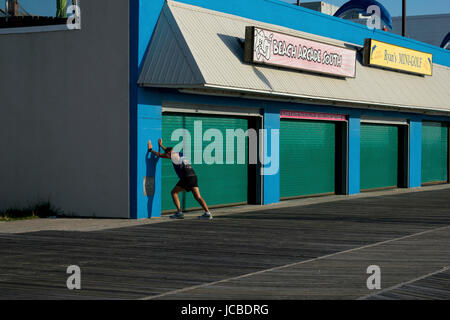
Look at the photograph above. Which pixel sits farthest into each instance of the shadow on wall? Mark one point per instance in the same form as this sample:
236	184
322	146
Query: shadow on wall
151	162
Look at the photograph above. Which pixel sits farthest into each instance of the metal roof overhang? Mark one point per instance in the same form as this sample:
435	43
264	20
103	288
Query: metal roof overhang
199	51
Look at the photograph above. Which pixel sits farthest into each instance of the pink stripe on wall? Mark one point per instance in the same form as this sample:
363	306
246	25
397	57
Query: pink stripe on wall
312	115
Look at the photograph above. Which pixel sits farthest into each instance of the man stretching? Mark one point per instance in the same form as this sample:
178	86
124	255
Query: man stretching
188	179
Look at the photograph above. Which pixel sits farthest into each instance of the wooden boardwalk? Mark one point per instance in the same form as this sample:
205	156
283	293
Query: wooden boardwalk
318	251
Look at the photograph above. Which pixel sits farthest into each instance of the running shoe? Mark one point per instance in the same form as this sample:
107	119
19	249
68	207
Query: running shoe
178	215
206	217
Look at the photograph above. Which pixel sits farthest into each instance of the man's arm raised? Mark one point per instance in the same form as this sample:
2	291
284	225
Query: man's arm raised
161	145
160	155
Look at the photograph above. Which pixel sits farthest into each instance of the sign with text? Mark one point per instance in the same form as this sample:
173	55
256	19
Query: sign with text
286	114
388	56
276	49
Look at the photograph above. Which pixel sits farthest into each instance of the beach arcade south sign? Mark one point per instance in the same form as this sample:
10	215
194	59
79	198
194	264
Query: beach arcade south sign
281	50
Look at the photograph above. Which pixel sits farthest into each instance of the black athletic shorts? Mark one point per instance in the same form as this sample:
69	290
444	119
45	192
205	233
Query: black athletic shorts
187	183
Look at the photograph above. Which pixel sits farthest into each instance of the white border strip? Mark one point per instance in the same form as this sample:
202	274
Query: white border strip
209	109
298	98
382	120
36	29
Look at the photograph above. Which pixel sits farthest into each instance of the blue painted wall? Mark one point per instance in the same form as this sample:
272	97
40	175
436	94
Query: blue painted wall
145	110
133	74
149	128
354	152
415	152
271	178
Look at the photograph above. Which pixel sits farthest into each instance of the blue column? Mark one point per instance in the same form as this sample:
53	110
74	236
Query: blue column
354	154
148	166
415	153
145	112
271	192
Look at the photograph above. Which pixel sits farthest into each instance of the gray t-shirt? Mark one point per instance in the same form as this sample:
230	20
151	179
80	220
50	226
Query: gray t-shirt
182	166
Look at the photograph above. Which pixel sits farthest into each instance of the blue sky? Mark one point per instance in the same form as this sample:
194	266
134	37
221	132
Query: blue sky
37	7
414	7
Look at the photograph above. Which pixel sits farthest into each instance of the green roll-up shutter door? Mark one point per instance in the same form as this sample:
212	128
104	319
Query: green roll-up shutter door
219	184
434	152
307	158
379	156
